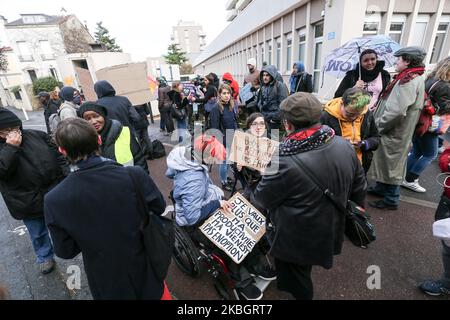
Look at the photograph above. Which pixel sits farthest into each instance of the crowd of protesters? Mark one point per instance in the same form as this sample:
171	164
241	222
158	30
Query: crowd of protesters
355	143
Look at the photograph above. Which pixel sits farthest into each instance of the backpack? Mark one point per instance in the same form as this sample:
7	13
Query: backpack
53	121
158	150
429	120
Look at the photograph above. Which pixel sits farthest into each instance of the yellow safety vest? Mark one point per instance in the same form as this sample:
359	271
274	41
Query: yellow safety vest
122	148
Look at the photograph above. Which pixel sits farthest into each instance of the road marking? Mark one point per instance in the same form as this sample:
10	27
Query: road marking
419	202
20	231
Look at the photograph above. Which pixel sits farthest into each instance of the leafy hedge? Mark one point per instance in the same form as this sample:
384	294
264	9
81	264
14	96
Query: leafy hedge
47	84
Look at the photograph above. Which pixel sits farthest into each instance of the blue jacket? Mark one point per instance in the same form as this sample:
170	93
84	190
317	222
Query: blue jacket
196	197
95	211
271	95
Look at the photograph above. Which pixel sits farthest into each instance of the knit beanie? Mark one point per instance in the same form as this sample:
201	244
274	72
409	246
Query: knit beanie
8	119
66	93
92	106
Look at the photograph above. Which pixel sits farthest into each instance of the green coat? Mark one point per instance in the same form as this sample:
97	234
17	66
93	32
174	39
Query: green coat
396	117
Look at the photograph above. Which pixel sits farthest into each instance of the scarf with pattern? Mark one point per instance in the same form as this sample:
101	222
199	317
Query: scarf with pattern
403	77
306	140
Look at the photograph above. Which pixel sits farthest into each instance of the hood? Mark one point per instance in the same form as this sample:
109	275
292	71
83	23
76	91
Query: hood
104	89
300	66
272	70
228	77
172	94
66	93
176	162
334	108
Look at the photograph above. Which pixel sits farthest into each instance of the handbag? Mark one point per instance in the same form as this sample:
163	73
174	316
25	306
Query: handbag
158	234
358	228
178	113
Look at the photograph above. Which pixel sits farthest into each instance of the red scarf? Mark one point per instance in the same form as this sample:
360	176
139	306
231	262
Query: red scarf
403	77
302	135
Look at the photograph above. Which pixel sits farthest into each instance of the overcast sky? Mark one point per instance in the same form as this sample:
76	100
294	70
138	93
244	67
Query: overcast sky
141	27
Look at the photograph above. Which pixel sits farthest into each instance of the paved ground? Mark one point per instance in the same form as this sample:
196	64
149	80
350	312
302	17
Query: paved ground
405	252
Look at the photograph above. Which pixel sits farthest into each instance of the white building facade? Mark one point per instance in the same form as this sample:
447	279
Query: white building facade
284	31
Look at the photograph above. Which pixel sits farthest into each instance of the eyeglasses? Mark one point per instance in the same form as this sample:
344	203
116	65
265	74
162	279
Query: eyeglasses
258	124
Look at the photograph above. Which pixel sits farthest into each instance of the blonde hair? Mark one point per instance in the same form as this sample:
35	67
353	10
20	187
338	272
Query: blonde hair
54	95
226	87
176	85
442	70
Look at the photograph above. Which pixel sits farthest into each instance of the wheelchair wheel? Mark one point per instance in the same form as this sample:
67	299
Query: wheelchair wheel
186	254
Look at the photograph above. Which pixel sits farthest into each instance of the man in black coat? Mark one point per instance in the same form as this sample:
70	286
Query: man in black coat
309	229
30	166
95	211
50	107
118	107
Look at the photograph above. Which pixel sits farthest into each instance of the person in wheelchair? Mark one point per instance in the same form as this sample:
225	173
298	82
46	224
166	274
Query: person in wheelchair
196	198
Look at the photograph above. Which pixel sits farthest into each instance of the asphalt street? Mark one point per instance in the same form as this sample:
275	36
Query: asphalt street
404	253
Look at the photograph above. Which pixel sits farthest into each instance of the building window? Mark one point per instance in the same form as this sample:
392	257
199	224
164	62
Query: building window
439	42
17	95
420	30
269	46
32	75
53	73
262	54
395	31
46	50
278	40
301	45
24	51
318	42
371	24
289	53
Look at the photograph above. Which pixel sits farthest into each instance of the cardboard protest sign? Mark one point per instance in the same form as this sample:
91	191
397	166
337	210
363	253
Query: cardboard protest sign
250	151
129	80
235	233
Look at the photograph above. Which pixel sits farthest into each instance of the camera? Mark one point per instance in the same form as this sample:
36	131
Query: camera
199	81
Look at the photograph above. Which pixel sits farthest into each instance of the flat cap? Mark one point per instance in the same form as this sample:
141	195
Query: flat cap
413	51
42	94
304	108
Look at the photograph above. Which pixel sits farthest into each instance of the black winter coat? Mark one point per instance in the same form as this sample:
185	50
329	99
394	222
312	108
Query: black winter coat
108	145
440	95
304	83
95	211
28	172
51	108
118	107
143	111
309	229
181	103
269	105
369	132
351	77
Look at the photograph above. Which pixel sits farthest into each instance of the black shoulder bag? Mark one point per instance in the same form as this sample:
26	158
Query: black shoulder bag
158	234
359	230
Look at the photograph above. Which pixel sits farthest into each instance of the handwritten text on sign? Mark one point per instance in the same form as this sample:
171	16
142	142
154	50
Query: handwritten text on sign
236	233
250	151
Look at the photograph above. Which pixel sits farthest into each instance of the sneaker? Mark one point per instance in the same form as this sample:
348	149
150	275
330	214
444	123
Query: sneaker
414	186
374	192
434	288
264	272
47	266
381	205
251	292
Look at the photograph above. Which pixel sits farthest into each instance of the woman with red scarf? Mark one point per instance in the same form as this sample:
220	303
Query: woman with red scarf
396	117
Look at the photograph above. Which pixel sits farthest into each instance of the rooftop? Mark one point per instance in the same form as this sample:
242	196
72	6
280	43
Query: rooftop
35	19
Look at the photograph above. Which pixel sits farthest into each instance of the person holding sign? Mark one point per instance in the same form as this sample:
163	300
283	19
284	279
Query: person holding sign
196	198
308	227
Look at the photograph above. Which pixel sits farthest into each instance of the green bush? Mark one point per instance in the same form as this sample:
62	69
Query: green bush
47	84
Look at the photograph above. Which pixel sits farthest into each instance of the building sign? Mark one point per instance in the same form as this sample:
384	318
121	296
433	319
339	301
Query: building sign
253	152
235	233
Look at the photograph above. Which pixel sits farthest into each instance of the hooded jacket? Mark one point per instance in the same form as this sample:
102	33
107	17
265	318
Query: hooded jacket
361	129
28	172
118	107
196	197
233	84
301	81
271	95
121	146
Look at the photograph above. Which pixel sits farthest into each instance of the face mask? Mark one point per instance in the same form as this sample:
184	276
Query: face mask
77	100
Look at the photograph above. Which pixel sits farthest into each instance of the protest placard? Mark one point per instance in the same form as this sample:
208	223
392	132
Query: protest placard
237	232
253	152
